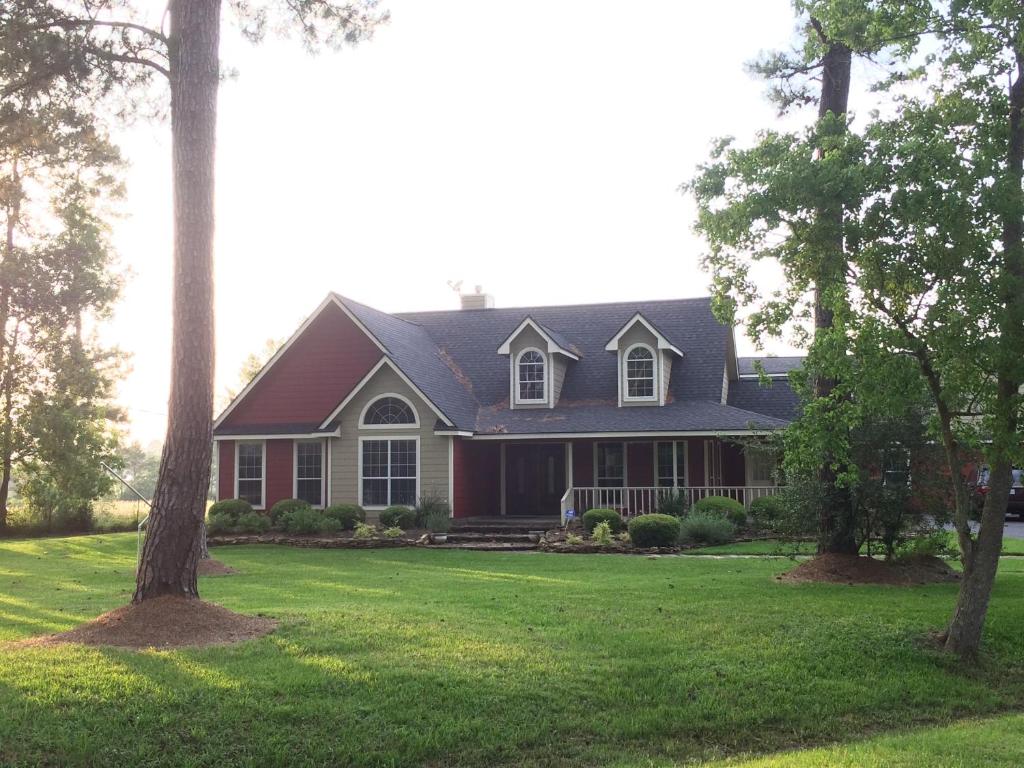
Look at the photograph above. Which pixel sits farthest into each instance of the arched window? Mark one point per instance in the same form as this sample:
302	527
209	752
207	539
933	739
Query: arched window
389	411
640	373
530	376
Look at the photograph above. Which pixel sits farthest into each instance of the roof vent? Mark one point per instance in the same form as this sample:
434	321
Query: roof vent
477	300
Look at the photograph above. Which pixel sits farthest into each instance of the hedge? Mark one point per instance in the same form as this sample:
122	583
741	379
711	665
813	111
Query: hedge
654	530
721	506
285	507
347	515
230	509
767	511
594	516
707	529
398	517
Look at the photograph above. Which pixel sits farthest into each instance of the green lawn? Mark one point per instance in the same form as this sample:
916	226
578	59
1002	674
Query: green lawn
413	657
774	547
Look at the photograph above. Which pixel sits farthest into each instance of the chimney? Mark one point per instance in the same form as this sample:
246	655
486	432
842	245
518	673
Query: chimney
477	300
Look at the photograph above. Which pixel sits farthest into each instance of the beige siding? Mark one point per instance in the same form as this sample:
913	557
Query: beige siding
558	365
433	449
725	385
527	338
666	373
638	334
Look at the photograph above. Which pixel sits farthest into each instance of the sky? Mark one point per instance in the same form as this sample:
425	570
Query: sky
533	148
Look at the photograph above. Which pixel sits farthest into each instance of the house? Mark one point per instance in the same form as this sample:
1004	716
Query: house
527	411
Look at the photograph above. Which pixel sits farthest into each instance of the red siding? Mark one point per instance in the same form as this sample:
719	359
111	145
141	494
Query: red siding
640	464
280	461
313	376
226	469
734	470
476	486
695	470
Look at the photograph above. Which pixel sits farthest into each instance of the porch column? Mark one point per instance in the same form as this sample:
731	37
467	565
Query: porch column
568	465
501	453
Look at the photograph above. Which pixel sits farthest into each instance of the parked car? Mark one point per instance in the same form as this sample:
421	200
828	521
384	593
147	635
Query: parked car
1015	504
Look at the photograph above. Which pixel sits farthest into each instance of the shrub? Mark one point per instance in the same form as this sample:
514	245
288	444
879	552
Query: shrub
428	506
654	530
707	529
672	504
594	516
602	534
767	511
393	532
219	523
329	525
364	531
624	537
302	520
573	539
253	522
283	508
231	509
438	521
398	517
722	506
348	515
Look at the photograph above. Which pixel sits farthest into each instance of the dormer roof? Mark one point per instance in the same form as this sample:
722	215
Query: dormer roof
663	341
556	343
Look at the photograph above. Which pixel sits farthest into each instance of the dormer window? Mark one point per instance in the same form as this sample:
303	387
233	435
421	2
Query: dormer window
640	373
531	377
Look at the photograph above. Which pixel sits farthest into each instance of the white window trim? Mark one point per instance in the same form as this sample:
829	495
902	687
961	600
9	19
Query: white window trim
263	487
323	471
366	408
547	377
712	450
655	366
359	466
625	461
748	474
675	462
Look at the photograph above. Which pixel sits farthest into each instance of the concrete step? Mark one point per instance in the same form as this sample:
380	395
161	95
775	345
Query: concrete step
503	525
480	536
488	546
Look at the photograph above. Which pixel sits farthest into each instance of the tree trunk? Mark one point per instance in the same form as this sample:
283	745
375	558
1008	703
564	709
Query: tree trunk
837	526
982	559
171	550
6	443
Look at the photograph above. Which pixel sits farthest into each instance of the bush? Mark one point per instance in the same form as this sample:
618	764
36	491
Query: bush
672	504
219	523
364	531
722	506
654	530
302	520
438	521
285	507
430	506
602	534
594	516
232	509
767	511
393	532
253	522
329	525
707	529
573	539
347	515
398	517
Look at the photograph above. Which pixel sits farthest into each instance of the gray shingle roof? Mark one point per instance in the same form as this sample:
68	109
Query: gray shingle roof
777	399
451	357
773	366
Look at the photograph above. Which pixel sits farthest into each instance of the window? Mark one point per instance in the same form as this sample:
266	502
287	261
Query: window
671	464
309	472
640	373
249	473
896	466
389	472
530	379
389	411
611	465
760	467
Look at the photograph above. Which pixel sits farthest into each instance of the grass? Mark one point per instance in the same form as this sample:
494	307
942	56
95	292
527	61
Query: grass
412	657
776	547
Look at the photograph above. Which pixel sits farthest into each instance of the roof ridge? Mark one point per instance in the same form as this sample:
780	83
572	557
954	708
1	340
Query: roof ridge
403	315
397	316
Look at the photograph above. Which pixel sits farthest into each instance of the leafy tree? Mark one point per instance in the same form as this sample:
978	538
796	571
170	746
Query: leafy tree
113	45
140	468
785	200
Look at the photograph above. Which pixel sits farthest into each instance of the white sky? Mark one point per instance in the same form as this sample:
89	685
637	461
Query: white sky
534	148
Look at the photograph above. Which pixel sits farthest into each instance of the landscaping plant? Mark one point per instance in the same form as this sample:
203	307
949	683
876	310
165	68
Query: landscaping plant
654	531
348	515
364	531
721	506
285	507
594	516
302	520
397	516
672	503
602	534
704	528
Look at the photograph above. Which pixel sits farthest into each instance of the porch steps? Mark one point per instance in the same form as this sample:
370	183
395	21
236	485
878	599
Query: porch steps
498	526
466	537
489	546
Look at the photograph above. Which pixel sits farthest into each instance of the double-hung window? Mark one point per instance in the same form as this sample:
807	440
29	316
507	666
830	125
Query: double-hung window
531	378
249	473
672	464
309	472
388	472
640	379
611	465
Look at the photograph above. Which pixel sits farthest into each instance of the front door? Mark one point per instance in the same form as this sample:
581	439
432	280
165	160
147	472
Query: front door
534	479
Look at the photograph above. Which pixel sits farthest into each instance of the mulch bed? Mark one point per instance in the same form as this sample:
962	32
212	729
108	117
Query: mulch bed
211	567
854	569
162	622
312	542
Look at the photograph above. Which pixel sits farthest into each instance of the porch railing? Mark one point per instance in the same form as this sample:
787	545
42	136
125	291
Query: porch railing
640	500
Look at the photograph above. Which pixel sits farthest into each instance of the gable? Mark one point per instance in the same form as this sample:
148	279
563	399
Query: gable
315	373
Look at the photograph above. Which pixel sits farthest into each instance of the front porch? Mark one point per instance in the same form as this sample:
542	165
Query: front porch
545	478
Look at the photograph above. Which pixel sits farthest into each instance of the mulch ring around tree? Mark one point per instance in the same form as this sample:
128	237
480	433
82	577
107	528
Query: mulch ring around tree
211	567
855	569
162	622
